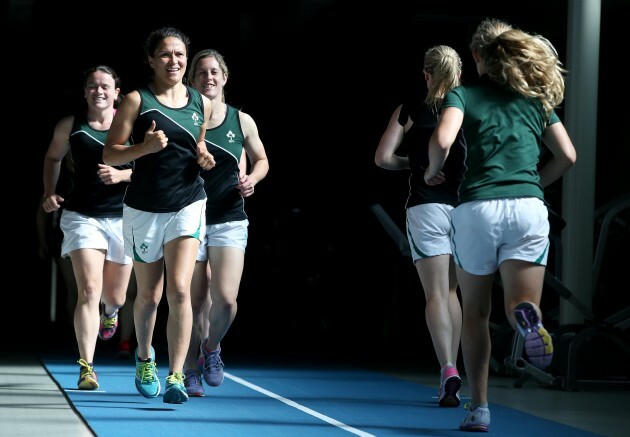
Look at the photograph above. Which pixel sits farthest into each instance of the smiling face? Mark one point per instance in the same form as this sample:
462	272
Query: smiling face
209	78
100	90
169	60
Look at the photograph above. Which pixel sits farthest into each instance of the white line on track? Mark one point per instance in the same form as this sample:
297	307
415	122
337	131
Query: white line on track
298	406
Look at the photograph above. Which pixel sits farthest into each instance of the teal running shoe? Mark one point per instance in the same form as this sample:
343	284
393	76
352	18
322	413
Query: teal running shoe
175	392
147	382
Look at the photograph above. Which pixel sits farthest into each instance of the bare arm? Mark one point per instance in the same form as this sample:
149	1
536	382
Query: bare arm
110	175
205	158
444	135
58	148
385	156
255	149
115	151
557	140
242	163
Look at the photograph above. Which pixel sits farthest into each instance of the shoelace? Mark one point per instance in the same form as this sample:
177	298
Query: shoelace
148	372
85	367
175	378
194	378
109	322
213	362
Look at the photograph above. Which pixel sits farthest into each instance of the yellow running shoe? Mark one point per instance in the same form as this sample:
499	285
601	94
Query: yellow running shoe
88	380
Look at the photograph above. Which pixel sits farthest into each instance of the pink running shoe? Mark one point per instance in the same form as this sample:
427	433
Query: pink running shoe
108	325
450	383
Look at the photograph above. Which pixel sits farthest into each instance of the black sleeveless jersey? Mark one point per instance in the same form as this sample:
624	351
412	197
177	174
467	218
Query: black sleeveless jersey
89	195
416	142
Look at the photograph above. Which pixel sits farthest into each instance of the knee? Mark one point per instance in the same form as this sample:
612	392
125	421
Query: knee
148	300
225	306
90	291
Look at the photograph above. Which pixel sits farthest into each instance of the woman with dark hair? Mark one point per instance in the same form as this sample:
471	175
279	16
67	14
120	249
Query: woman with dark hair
164	205
91	219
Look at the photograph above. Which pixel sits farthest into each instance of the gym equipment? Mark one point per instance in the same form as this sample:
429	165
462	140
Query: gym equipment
574	342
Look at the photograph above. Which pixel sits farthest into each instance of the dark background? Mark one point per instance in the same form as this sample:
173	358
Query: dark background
321	79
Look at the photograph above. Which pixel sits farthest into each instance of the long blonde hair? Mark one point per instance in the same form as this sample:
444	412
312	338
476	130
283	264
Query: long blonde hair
527	63
445	67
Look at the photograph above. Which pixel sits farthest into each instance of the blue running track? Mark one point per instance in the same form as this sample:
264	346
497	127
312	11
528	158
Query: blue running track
293	400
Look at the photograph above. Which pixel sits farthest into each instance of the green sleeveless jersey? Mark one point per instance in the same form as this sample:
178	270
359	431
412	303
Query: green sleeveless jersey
225	142
168	180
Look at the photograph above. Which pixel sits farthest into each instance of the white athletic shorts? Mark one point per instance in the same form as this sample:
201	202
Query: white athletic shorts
488	232
429	230
228	234
146	233
102	233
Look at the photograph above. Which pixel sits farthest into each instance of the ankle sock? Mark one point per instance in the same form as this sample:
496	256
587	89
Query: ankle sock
448	370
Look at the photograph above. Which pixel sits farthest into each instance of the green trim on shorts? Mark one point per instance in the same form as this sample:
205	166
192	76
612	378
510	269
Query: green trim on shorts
542	255
136	256
197	233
